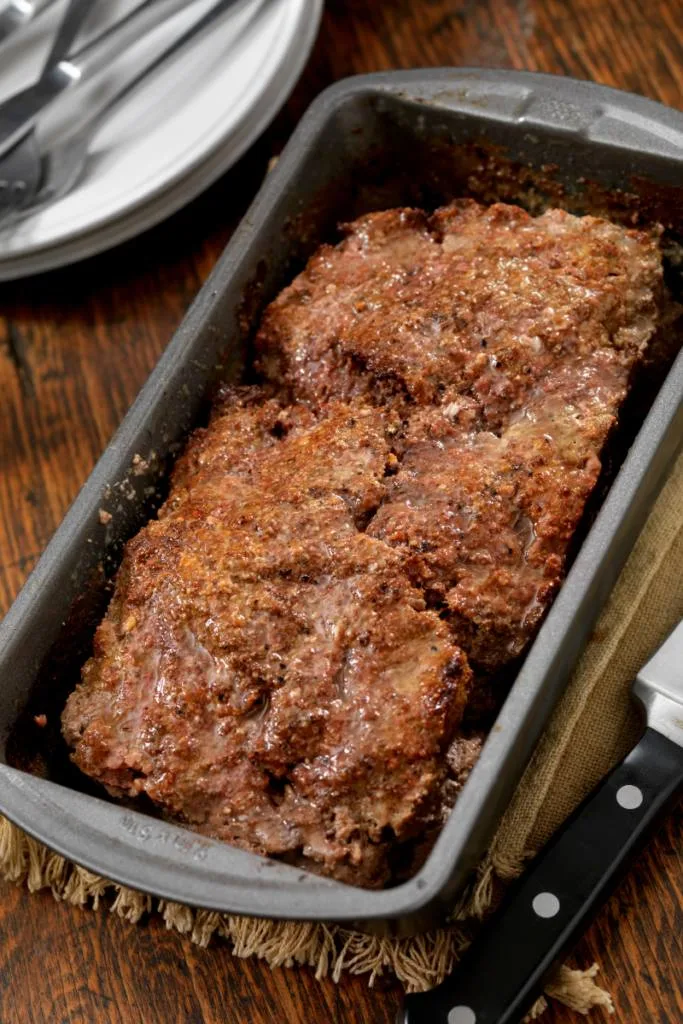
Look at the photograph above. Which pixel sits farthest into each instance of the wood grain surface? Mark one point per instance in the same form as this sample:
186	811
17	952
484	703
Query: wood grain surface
76	345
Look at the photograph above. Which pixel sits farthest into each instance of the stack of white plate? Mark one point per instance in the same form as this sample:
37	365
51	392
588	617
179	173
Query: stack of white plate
175	135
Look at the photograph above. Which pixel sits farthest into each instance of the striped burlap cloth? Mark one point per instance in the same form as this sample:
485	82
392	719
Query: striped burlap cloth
593	727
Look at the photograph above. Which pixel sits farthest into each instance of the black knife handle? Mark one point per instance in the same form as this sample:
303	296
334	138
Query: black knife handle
545	911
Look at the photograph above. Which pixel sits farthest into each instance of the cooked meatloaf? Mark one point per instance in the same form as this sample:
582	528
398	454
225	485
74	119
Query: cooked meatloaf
469	310
354	548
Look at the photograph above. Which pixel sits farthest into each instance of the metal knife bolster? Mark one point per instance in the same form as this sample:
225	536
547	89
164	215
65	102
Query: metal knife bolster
659	687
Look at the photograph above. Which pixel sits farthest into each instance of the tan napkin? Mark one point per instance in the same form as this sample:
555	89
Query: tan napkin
593	727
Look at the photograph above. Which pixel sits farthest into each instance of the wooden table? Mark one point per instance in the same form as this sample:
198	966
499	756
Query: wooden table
76	345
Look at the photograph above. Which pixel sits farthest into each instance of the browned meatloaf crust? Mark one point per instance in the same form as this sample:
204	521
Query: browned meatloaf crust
285	662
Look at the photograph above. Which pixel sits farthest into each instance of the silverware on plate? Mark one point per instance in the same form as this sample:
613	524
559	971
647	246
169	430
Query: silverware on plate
18	113
503	971
43	164
19	13
20	172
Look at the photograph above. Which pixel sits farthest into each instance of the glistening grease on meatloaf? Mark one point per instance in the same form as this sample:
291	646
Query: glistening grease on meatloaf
358	545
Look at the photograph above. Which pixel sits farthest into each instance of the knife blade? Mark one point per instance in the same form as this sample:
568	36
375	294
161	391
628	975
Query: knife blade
659	687
504	970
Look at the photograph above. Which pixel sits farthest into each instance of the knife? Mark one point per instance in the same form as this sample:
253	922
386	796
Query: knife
505	968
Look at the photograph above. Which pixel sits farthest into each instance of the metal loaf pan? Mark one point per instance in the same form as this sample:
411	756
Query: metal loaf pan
372	141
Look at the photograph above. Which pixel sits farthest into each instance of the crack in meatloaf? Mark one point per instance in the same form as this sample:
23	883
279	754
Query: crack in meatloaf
353	547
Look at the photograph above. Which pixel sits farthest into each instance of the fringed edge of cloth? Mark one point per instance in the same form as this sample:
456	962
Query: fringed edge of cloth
330	951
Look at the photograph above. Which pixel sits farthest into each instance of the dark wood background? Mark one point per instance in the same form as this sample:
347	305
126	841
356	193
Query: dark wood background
76	345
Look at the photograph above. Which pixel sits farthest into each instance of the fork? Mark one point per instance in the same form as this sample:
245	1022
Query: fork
18	113
33	176
20	171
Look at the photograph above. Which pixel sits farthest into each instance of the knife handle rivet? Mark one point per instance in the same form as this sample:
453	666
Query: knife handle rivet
629	797
545	904
462	1015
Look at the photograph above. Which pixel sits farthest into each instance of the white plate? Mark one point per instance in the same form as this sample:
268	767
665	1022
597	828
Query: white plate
178	132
